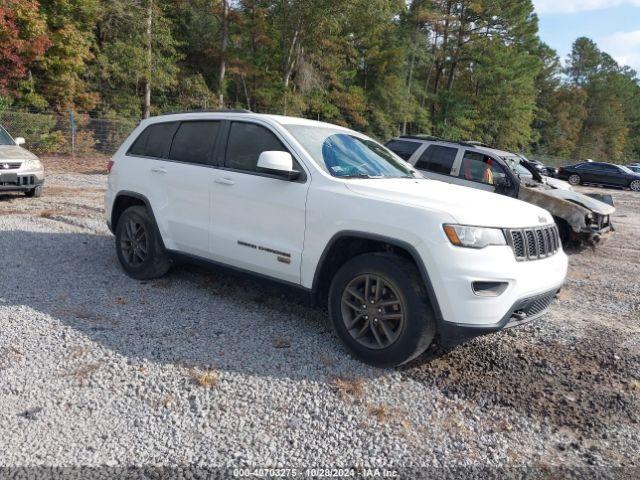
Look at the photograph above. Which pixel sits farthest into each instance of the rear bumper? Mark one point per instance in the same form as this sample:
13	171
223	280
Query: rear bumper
521	312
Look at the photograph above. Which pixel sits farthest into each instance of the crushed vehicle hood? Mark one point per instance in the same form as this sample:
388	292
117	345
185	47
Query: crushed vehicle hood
467	206
14	152
587	202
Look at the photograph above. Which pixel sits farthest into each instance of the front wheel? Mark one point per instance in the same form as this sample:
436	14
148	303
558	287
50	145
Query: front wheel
635	185
139	246
575	179
380	309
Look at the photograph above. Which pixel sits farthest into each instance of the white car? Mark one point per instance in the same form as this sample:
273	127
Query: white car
398	258
20	170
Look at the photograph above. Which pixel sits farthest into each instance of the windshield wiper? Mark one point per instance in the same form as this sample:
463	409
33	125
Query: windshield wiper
357	175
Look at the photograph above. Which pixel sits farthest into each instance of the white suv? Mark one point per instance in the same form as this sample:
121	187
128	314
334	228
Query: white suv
400	259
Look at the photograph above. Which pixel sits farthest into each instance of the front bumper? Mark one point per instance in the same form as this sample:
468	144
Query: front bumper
527	287
523	311
20	180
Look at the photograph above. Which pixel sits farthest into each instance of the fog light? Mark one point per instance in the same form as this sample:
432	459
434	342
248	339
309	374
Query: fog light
489	289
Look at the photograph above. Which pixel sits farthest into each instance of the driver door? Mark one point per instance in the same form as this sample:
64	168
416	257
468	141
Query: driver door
477	170
257	221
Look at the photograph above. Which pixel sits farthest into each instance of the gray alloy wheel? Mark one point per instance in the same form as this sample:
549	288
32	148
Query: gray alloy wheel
635	185
134	243
372	311
574	179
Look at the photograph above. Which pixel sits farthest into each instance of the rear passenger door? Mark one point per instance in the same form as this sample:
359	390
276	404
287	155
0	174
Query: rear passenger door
257	221
437	162
186	177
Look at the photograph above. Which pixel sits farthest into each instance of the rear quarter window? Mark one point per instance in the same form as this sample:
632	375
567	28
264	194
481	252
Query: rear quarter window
402	148
154	141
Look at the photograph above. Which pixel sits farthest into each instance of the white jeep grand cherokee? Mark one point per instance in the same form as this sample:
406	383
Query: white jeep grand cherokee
400	259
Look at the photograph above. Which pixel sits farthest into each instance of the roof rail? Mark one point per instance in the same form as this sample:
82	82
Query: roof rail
220	110
423	137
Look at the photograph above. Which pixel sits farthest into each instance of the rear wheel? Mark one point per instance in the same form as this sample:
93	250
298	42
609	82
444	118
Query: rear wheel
575	179
34	192
635	185
138	245
380	309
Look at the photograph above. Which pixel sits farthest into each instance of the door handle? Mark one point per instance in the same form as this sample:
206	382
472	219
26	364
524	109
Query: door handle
224	181
158	170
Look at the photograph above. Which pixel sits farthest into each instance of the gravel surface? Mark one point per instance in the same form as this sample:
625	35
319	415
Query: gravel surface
207	368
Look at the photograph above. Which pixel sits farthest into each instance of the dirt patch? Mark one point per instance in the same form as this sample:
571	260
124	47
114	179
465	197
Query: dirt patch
64	164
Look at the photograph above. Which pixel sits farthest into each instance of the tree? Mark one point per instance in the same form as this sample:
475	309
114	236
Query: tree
137	55
23	40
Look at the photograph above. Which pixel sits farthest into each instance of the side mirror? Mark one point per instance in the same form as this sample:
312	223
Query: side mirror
279	164
502	183
19	141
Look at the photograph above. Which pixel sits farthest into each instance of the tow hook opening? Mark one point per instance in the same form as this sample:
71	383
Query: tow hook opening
519	315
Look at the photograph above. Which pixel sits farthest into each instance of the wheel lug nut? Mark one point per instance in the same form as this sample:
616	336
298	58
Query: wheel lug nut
364	307
379	310
372	301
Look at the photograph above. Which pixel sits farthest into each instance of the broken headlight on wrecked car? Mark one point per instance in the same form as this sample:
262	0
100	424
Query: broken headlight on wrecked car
474	237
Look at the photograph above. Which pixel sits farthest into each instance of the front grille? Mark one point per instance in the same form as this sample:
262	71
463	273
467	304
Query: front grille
10	165
534	243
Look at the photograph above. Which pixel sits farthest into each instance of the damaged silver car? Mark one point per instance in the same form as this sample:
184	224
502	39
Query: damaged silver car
581	219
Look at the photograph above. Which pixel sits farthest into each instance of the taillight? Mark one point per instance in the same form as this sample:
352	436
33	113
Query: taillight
109	166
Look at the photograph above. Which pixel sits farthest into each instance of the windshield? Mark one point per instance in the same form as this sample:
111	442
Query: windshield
5	138
514	165
625	169
344	154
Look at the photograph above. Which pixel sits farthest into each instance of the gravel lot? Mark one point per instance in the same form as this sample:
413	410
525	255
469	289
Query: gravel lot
207	368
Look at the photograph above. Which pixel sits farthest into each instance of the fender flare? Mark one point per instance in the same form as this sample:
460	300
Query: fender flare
424	274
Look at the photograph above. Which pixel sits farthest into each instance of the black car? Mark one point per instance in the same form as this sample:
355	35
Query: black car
599	173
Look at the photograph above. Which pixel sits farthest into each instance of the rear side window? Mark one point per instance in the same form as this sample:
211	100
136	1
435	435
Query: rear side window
154	141
193	142
437	159
246	142
403	148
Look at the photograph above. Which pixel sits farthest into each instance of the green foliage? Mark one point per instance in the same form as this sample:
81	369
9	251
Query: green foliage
461	69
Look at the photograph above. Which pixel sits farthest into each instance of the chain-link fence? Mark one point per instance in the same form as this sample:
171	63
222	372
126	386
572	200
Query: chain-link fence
77	135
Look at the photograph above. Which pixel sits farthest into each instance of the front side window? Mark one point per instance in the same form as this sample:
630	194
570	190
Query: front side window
246	142
345	154
193	142
481	168
154	141
437	159
404	149
5	138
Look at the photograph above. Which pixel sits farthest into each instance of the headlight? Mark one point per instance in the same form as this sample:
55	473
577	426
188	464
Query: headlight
474	237
32	163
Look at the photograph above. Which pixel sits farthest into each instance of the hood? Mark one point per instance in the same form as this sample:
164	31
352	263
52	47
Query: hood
14	152
467	206
587	202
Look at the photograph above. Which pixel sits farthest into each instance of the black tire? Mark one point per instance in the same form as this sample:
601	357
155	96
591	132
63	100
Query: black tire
155	262
574	179
565	232
34	192
418	324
